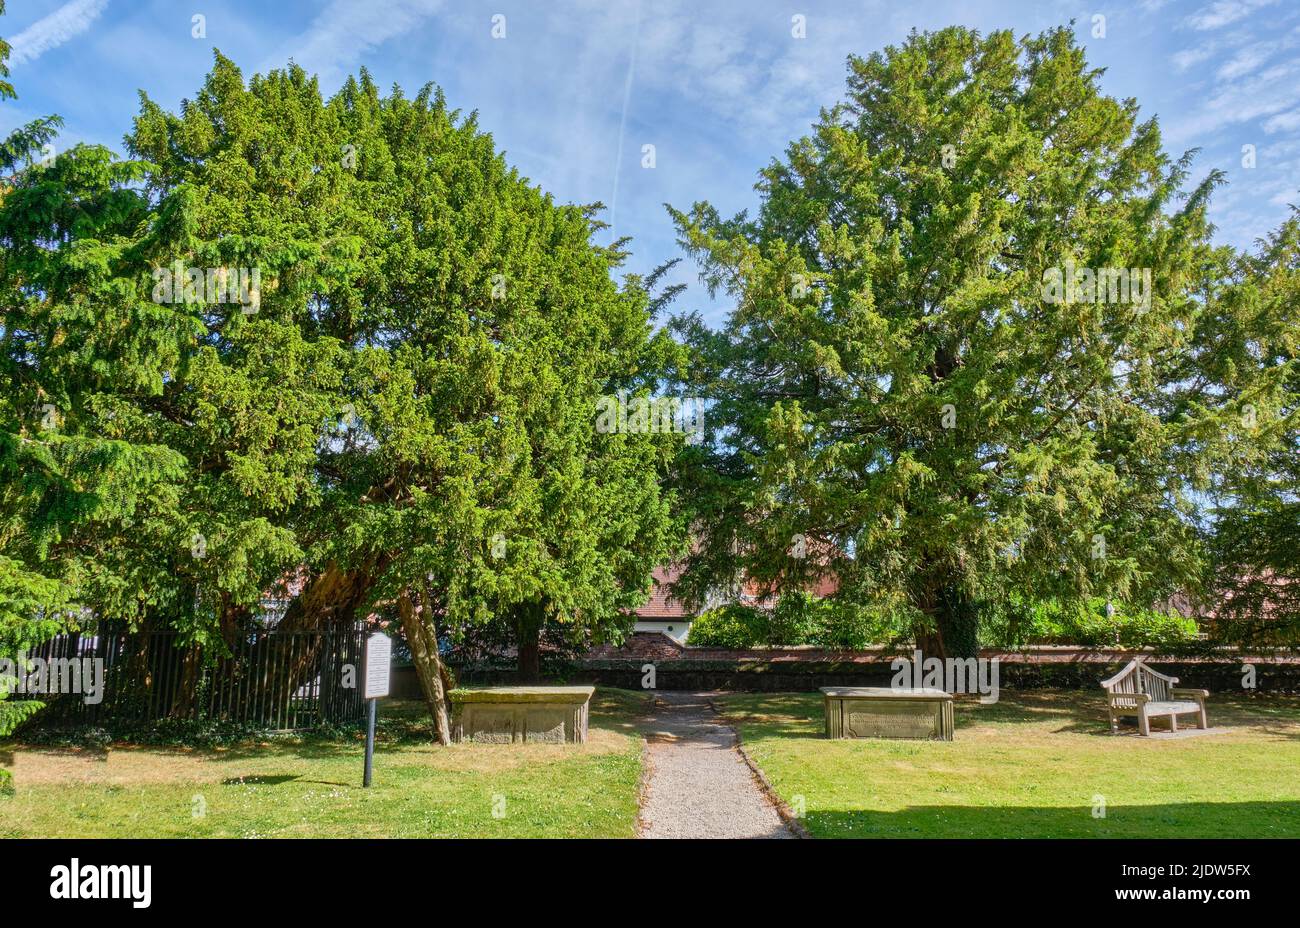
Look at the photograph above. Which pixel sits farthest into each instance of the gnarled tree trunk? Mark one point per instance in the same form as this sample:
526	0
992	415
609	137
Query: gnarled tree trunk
328	601
529	618
331	596
422	638
953	629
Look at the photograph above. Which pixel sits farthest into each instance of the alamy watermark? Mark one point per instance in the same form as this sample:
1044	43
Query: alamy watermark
953	675
57	675
1073	284
76	880
209	286
620	412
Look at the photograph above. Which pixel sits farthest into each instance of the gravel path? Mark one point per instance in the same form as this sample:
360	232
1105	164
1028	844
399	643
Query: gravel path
699	785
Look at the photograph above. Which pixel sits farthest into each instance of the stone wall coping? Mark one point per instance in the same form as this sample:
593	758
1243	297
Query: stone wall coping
1031	654
884	692
518	694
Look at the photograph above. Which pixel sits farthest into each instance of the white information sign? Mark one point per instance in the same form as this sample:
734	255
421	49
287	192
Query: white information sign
379	658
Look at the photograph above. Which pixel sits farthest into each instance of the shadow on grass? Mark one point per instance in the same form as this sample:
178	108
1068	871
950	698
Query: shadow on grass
401	722
282	778
1272	716
800	715
1173	820
260	780
97	752
407	722
620	710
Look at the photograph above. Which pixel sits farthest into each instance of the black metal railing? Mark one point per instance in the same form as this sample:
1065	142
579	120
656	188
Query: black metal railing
269	679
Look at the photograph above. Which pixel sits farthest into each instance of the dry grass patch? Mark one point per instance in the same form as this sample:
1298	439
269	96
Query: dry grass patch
287	787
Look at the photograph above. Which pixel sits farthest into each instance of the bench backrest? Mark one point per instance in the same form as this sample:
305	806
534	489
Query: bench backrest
1137	677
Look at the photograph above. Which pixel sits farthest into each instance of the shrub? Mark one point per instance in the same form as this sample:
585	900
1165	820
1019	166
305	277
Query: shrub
14	713
800	618
732	626
854	626
795	619
1132	627
845	626
1019	622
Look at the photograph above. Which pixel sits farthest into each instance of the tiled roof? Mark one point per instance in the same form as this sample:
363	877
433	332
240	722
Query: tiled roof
659	606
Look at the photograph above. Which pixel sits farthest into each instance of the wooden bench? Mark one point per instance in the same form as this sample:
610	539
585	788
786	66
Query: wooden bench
1139	691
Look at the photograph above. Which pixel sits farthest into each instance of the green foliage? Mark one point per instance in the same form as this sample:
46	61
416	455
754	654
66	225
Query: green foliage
731	626
843	624
795	618
803	619
416	379
895	385
1255	579
176	733
1023	622
30	601
15	712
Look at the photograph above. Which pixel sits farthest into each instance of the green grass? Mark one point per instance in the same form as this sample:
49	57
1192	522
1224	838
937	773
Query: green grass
289	787
1031	766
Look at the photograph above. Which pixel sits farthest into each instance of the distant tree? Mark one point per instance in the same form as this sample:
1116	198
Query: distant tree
974	345
1255	585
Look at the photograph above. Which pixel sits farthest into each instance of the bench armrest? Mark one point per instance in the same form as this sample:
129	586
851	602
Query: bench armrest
1140	698
1193	693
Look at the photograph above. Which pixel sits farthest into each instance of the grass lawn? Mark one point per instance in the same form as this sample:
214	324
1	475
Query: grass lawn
1031	766
312	788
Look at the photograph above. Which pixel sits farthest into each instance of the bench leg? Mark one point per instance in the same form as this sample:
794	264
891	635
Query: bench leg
1205	723
1144	723
1173	721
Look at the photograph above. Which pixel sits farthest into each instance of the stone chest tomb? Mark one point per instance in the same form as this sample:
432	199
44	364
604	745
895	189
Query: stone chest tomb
519	714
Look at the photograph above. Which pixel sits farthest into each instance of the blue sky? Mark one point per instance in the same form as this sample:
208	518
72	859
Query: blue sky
575	89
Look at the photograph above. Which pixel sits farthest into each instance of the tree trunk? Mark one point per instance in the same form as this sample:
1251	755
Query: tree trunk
528	625
422	638
331	596
191	665
328	601
929	641
232	621
953	630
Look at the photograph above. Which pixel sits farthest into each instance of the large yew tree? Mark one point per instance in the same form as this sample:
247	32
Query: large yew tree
900	390
402	422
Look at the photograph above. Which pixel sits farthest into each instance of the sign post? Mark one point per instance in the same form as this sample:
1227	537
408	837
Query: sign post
370	744
379	657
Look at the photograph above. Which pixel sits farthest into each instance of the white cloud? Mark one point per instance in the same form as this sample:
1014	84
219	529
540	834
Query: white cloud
1254	78
1284	122
1221	13
1246	61
345	31
1264	94
1192	56
51	31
